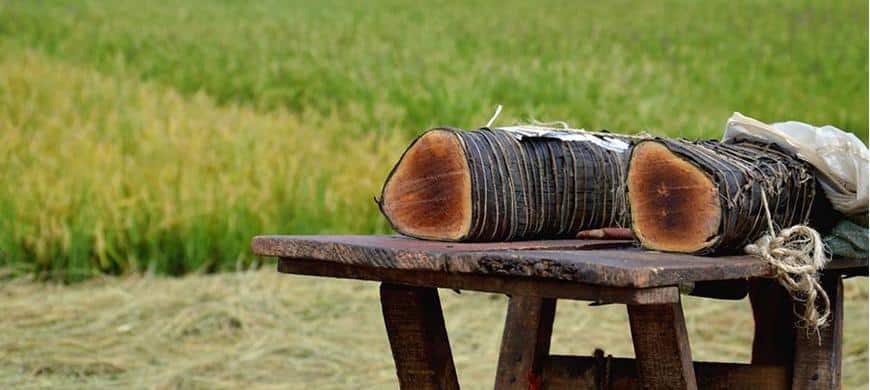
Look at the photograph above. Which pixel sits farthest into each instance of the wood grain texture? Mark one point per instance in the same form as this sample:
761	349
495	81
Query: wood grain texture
576	372
600	262
525	342
510	285
661	345
428	192
818	359
674	204
678	211
418	338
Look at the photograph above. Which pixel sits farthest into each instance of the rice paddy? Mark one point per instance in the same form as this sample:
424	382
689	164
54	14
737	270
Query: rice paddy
143	139
139	136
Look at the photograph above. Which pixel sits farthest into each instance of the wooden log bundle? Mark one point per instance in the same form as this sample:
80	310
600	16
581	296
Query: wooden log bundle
676	195
501	185
703	197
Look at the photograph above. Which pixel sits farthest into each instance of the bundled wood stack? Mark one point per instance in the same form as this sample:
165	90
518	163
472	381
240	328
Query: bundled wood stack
504	184
676	195
702	197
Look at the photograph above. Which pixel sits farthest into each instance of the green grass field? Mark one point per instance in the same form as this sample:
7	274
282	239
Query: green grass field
158	136
155	137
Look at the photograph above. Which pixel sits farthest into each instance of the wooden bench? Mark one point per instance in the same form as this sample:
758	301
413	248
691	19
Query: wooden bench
537	273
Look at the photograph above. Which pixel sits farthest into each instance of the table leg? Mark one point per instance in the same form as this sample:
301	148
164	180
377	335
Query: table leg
773	312
418	338
661	346
525	342
818	365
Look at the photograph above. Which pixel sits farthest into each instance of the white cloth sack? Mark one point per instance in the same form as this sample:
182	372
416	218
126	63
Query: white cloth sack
840	158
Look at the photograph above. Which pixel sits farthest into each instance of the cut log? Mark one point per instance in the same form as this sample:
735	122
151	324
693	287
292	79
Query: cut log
675	204
703	197
502	185
428	193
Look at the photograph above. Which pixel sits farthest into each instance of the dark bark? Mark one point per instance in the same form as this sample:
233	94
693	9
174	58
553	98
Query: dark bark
520	189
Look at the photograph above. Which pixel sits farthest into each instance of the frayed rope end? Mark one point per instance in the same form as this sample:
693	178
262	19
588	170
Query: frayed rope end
798	254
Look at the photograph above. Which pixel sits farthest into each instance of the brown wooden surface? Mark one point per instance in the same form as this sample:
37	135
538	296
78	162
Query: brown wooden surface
510	285
596	270
598	262
418	338
525	342
818	359
661	345
773	312
576	372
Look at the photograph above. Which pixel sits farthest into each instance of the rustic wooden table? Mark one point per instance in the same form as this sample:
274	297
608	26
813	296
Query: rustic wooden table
537	273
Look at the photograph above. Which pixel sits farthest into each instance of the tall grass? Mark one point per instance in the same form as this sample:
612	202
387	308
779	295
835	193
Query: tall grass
677	66
160	136
112	175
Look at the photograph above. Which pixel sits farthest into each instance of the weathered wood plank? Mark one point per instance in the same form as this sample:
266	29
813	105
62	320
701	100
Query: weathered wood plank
628	267
661	344
536	287
418	338
557	259
608	262
320	245
818	359
525	342
576	372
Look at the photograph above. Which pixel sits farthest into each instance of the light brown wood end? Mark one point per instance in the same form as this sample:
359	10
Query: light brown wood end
428	193
674	204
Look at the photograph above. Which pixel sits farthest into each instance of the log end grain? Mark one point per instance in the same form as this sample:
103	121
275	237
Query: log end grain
674	204
428	193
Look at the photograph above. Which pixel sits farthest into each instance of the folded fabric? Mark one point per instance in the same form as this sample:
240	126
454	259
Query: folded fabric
848	240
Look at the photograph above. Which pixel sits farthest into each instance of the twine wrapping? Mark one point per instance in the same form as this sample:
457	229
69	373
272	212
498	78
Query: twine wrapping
741	173
540	187
798	254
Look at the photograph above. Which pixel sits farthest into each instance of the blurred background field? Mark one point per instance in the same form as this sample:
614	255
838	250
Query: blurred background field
157	137
262	330
162	135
